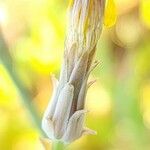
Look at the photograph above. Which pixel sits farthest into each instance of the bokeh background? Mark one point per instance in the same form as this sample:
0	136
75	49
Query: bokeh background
32	34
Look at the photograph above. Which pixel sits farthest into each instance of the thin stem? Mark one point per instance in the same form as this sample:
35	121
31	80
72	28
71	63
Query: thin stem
57	145
5	59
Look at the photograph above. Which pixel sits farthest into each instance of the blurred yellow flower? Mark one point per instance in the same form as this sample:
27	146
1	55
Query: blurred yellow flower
110	15
145	12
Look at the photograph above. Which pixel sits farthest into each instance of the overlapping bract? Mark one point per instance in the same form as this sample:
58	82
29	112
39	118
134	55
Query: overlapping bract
64	117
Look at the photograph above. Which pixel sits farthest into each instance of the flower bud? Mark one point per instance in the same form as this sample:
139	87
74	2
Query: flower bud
64	117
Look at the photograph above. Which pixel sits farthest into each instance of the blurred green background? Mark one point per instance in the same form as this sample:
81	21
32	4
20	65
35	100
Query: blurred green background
31	49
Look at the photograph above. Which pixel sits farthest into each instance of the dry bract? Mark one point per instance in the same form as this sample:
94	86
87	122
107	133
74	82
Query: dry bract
64	117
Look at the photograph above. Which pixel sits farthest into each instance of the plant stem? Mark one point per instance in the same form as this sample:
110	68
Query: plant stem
57	145
6	60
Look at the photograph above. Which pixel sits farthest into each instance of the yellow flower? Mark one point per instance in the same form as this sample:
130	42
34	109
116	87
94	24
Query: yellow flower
110	16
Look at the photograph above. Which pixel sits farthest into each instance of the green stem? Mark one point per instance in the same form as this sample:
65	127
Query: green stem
24	93
57	145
